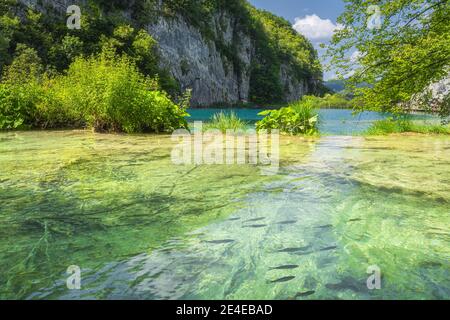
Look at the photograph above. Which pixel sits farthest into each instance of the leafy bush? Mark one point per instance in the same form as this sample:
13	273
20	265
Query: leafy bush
298	118
21	90
226	121
18	105
104	92
108	93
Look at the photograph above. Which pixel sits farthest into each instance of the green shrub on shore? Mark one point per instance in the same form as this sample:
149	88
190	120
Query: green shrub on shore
389	126
297	118
224	121
104	92
20	90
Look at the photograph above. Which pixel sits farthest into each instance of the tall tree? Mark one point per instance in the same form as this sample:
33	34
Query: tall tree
402	46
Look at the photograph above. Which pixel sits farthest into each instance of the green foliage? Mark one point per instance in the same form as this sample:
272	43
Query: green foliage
104	92
297	118
103	25
17	105
25	67
402	125
277	44
21	90
331	101
398	60
224	121
109	94
8	25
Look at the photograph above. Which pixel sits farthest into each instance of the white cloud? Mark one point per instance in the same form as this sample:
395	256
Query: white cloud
315	28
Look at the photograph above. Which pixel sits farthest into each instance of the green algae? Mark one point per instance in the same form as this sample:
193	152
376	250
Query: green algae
141	227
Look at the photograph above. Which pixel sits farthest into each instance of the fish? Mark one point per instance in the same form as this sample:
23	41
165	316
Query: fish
284	279
287	222
303	253
304	294
326	226
234	219
220	241
285	267
289	250
328	248
348	283
255	226
255	219
354	220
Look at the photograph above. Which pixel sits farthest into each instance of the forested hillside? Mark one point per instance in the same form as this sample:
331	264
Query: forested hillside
226	51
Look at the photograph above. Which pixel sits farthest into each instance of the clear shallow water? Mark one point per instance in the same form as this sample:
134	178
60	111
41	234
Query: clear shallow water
141	227
332	121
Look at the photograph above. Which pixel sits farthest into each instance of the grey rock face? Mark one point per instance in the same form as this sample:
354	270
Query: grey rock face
435	95
197	64
58	5
441	89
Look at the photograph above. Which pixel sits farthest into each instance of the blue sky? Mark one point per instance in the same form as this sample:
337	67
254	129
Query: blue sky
291	9
316	19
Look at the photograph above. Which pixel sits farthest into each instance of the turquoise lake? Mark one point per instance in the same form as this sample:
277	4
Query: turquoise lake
332	121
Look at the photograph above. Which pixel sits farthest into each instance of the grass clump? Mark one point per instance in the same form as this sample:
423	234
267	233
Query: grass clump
299	118
390	126
224	121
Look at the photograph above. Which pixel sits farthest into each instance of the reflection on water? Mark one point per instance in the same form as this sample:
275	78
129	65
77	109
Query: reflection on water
140	227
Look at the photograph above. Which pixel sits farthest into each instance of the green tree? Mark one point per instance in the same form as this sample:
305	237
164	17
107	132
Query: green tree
26	66
8	25
399	57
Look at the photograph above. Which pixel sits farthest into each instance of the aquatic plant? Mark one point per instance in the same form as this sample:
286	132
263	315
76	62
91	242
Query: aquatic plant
388	126
224	121
298	118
